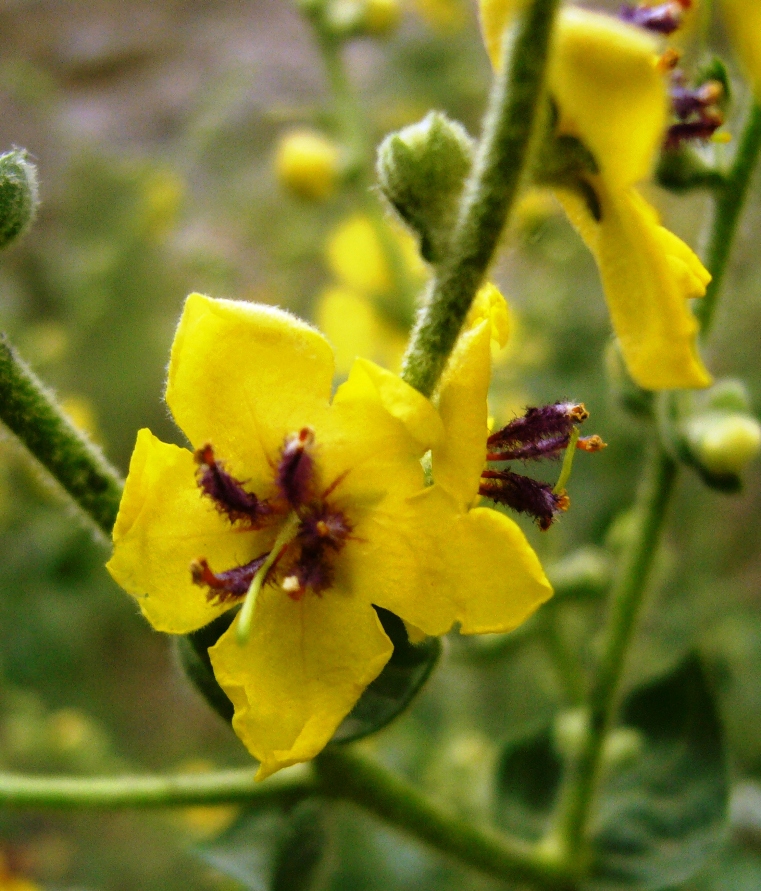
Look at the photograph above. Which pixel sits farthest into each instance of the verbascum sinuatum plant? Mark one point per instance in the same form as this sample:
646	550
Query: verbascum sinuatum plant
307	512
609	91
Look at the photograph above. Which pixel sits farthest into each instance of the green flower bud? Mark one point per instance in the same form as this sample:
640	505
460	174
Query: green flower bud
622	746
422	171
18	195
723	443
729	394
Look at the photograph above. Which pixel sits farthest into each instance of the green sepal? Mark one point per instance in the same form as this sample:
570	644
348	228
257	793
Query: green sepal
193	655
277	848
422	171
19	195
395	687
683	170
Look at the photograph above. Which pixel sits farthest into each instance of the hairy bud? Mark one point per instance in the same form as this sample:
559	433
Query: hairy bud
422	170
18	195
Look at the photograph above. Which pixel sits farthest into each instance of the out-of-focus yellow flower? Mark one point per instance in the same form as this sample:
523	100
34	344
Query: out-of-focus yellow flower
743	22
82	415
334	517
381	16
307	163
367	312
606	83
444	16
205	822
9	882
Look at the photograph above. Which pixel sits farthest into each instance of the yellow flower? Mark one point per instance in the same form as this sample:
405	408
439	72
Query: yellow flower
367	312
307	163
605	81
332	498
743	21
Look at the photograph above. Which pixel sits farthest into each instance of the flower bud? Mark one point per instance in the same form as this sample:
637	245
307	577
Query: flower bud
724	443
730	395
18	195
422	171
307	164
622	746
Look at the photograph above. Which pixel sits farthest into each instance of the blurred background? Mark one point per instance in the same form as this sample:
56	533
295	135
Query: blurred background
154	125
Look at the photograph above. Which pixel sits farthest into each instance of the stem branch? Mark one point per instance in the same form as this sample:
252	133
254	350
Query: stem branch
30	411
514	107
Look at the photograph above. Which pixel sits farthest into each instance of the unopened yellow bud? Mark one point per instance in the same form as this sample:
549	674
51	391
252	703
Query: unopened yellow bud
724	443
307	164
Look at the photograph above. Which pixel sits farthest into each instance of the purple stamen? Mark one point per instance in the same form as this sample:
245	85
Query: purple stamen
295	470
662	19
702	128
540	433
227	493
228	585
524	495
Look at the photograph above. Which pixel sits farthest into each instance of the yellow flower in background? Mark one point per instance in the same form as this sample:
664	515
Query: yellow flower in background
319	506
307	164
444	16
605	80
368	310
743	22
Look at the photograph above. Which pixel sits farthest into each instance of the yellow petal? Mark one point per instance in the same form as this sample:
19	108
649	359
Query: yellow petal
305	665
242	376
496	16
490	304
743	22
433	564
370	383
646	279
350	323
610	93
460	456
163	524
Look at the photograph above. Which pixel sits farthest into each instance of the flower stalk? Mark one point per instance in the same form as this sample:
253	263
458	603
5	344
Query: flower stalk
503	153
31	412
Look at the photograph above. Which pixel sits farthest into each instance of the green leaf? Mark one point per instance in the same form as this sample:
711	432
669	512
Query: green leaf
663	814
385	698
395	687
528	777
276	849
662	809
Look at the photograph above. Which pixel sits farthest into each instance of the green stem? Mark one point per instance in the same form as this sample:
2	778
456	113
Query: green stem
182	790
31	412
514	109
627	598
348	776
729	204
629	591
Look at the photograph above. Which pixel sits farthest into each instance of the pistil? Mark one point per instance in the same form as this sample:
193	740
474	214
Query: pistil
288	532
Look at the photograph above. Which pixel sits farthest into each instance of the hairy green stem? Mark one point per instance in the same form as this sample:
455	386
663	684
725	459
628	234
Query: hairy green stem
730	200
627	598
31	412
348	776
629	591
180	790
514	109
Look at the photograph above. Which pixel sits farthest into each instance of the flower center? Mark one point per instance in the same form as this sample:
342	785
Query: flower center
311	530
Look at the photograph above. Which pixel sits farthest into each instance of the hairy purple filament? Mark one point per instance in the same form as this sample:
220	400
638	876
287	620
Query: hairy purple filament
662	19
524	495
228	585
227	493
295	470
306	564
696	109
540	433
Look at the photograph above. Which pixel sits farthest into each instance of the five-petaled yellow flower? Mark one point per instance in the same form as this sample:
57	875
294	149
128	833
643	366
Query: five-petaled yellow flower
610	92
327	500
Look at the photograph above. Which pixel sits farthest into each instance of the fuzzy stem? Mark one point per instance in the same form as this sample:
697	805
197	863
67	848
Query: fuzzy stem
514	109
730	200
30	411
180	790
348	776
